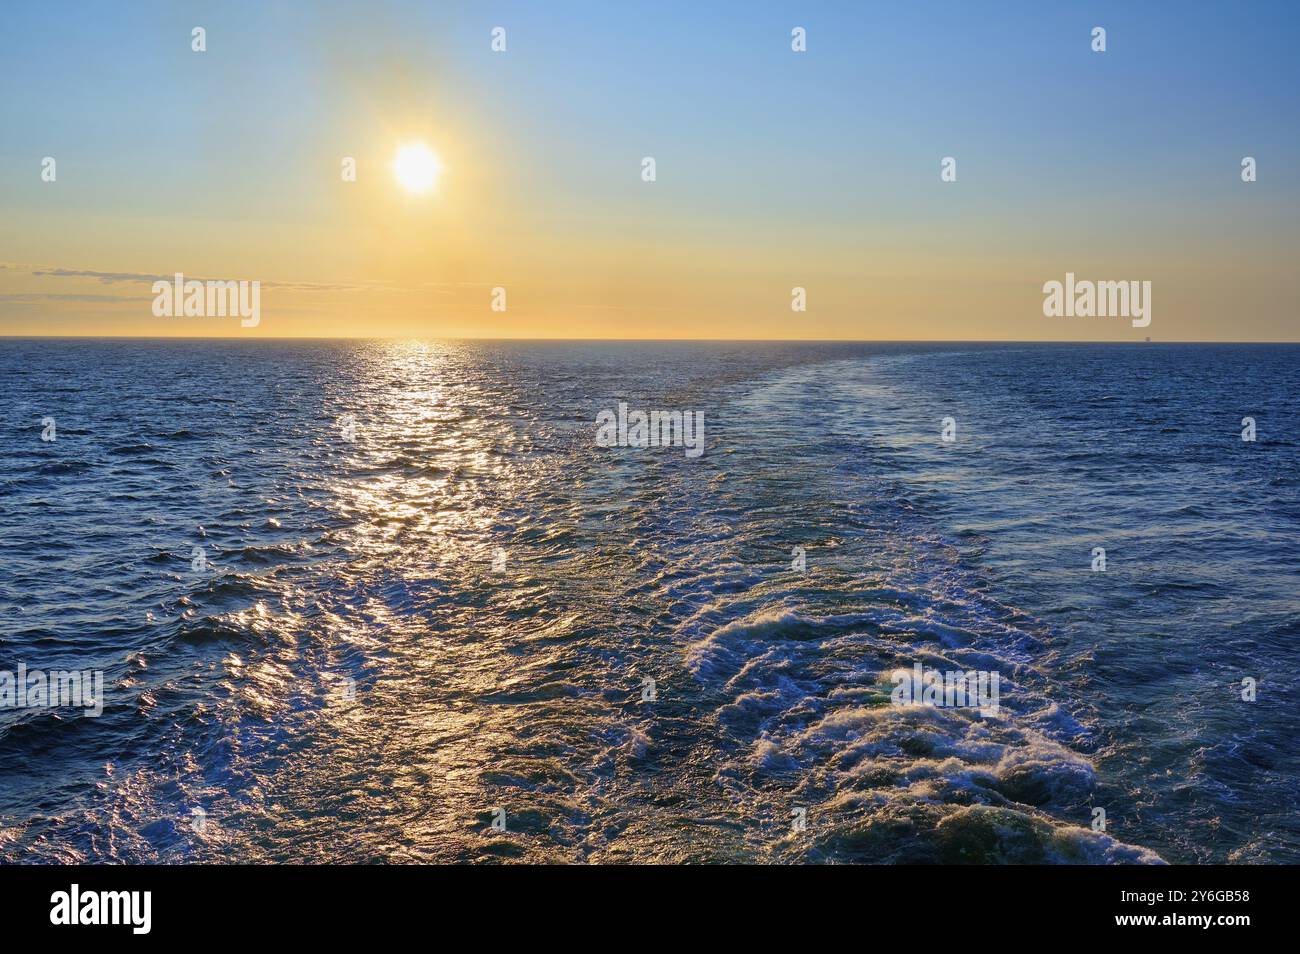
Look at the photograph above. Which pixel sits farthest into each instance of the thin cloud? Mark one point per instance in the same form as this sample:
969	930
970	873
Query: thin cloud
112	278
53	296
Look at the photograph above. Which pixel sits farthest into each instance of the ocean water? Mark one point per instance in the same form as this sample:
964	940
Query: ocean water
428	601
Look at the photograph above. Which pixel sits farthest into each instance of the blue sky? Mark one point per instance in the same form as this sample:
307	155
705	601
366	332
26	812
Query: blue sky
1063	153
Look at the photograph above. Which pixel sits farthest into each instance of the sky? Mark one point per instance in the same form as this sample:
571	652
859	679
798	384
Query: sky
774	169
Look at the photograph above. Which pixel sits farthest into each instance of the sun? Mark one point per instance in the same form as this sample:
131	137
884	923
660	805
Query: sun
416	167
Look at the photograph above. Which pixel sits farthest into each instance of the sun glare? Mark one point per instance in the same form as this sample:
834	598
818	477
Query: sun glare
416	167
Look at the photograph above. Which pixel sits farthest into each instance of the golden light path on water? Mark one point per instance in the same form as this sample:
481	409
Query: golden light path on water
463	676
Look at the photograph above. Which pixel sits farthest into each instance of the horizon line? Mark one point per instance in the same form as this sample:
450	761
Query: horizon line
1021	341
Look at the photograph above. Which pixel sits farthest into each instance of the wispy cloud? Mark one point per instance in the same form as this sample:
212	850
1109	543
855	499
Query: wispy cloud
53	296
114	278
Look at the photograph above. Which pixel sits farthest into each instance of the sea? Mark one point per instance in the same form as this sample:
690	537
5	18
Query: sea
398	601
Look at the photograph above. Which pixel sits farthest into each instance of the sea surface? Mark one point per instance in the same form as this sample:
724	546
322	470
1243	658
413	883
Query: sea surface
391	601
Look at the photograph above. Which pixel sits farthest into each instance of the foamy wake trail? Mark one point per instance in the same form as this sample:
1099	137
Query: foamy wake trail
804	701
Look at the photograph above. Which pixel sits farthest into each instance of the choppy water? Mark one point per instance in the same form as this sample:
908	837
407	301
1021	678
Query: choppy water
371	560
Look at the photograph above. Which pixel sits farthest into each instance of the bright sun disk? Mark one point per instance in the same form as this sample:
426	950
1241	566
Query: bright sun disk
416	167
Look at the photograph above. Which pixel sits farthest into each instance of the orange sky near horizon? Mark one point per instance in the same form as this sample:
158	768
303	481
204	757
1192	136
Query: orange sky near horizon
770	175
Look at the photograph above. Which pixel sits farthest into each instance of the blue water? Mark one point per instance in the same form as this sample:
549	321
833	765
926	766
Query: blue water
354	674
